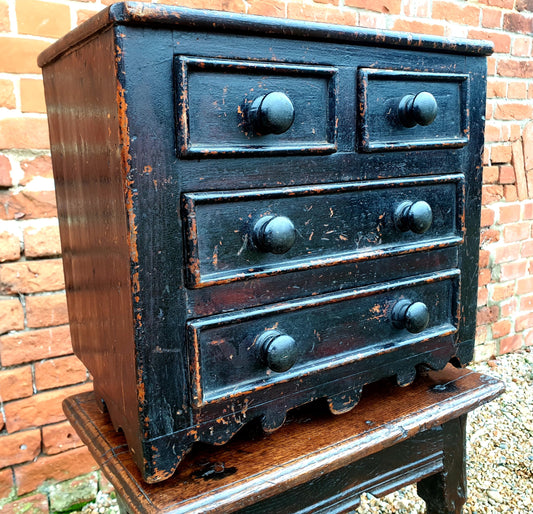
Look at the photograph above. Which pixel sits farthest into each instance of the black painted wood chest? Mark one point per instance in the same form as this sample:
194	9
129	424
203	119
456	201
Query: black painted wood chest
258	213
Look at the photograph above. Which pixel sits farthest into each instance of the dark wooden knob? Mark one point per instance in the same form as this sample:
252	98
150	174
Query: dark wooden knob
272	113
274	234
278	350
420	109
413	316
414	216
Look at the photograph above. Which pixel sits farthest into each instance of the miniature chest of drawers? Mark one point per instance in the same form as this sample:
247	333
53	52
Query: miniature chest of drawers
258	213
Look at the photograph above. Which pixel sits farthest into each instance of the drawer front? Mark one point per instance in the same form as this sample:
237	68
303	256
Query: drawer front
406	110
229	108
237	353
237	235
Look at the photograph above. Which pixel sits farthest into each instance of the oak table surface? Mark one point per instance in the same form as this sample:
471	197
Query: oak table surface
253	468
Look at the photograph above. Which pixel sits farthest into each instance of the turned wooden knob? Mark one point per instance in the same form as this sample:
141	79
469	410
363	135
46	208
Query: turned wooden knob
413	316
278	350
420	109
272	113
414	216
274	234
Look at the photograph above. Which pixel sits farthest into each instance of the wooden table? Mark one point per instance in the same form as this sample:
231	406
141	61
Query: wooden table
317	462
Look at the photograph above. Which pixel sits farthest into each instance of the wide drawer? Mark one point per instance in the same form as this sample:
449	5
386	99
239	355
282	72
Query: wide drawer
227	108
234	354
401	110
237	235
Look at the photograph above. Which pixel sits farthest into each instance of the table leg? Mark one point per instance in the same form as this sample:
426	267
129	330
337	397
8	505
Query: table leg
445	492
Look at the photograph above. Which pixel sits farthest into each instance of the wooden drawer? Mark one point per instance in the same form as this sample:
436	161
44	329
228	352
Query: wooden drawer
227	108
231	353
400	110
237	235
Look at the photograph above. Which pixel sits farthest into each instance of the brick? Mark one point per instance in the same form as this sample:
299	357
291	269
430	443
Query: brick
491	66
524	322
512	270
5	25
59	372
5	172
456	13
63	466
505	4
19	447
42	241
500	154
484	352
27	205
487	217
46	310
382	6
527	137
491	18
9	247
515	68
19	54
527	250
528	339
506	253
59	438
509	193
40	18
517	90
484	258
519	169
83	15
502	291
372	20
24	132
490	174
274	8
32	95
517	232
31	276
67	495
321	13
15	383
34	504
511	131
506	175
7	93
509	213
39	167
513	111
515	22
510	344
484	277
489	236
39	409
11	316
419	27
491	193
481	334
502	42
524	5
526	302
501	328
508	308
482	296
493	132
416	8
6	485
521	46
33	345
487	315
527	210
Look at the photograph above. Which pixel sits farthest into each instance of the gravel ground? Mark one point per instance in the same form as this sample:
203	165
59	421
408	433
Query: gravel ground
500	451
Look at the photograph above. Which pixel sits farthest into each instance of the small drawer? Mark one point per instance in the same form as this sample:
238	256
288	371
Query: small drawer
401	110
230	108
244	234
237	353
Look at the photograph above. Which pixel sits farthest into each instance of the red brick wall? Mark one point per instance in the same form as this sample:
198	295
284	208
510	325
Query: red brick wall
37	366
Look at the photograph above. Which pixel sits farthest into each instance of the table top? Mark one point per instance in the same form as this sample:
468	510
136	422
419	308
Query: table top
254	466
